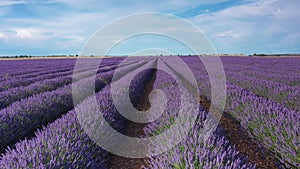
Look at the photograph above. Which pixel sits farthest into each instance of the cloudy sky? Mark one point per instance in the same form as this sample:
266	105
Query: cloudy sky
44	27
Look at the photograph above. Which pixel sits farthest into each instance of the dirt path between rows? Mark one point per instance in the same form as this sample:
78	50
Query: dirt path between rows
238	135
234	132
246	145
134	130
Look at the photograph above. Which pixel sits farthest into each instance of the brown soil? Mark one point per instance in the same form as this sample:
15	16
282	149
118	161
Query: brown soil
134	130
246	145
239	137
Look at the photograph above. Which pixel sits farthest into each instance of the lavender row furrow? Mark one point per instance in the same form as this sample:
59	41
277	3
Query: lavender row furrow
14	94
21	118
10	96
191	152
64	143
272	123
23	81
257	68
280	66
281	93
285	94
20	68
273	77
39	72
16	82
275	126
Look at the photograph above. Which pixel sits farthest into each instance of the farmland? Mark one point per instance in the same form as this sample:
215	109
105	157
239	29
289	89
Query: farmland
41	128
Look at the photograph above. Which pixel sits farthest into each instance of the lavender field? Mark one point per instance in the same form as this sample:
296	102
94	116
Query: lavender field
259	127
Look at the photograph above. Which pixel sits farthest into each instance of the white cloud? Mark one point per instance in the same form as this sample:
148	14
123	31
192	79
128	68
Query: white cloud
228	33
252	26
260	8
206	10
30	35
2	36
5	35
65	27
249	24
73	27
24	33
11	2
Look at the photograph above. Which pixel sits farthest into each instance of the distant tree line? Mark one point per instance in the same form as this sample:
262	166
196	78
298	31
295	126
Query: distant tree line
259	54
19	56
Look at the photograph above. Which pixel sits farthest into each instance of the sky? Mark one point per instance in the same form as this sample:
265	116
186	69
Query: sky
53	27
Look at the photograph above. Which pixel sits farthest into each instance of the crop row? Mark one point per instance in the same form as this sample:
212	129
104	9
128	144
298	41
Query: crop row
275	126
59	70
21	68
64	143
272	123
278	92
15	94
278	66
49	74
192	151
23	117
38	72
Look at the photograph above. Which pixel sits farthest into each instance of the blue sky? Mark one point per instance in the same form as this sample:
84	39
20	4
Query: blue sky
45	27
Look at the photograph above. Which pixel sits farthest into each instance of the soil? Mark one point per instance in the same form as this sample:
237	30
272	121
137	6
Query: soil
246	145
134	130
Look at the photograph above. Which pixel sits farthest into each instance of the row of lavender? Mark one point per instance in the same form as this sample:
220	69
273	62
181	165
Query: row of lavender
26	68
11	95
259	78
62	69
23	117
31	67
269	109
64	143
273	78
192	151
